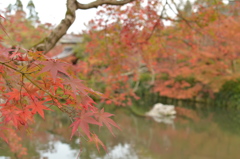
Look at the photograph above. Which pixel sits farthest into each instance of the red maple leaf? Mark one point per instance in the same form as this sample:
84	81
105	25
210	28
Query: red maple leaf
37	106
87	103
15	94
82	122
31	90
24	116
54	67
19	56
97	141
103	117
76	84
10	113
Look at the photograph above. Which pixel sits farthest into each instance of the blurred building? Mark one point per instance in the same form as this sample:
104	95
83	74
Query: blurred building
68	42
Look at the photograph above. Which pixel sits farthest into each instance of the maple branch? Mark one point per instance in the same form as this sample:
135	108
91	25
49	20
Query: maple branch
3	63
72	5
19	71
98	3
49	42
39	87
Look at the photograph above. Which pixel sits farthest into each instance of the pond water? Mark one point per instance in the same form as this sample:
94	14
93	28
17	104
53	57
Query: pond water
193	134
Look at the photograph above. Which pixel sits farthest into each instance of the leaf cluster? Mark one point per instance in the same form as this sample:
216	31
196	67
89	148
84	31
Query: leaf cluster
31	83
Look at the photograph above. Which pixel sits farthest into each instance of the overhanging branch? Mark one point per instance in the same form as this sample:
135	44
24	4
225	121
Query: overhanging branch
50	41
97	3
72	5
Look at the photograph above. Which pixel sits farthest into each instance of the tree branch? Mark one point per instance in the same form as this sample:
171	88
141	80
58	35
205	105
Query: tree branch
97	3
72	5
49	42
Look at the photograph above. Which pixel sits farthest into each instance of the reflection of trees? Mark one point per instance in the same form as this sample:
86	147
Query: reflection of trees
143	134
197	131
45	134
17	146
228	120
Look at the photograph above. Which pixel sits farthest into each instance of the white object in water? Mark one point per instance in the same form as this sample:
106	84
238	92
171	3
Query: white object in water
161	110
163	114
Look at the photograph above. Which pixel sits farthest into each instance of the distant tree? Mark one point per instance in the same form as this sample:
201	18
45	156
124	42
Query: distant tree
33	15
18	6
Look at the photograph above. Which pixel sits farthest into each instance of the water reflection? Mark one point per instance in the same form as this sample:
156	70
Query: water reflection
120	151
194	133
59	151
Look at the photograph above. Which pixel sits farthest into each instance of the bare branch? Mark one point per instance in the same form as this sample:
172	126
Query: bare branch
97	3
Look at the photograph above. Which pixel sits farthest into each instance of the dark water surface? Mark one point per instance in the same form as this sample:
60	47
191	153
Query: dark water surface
192	134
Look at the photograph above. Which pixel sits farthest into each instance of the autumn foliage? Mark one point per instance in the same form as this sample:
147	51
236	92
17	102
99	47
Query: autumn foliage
126	48
192	57
27	34
32	83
